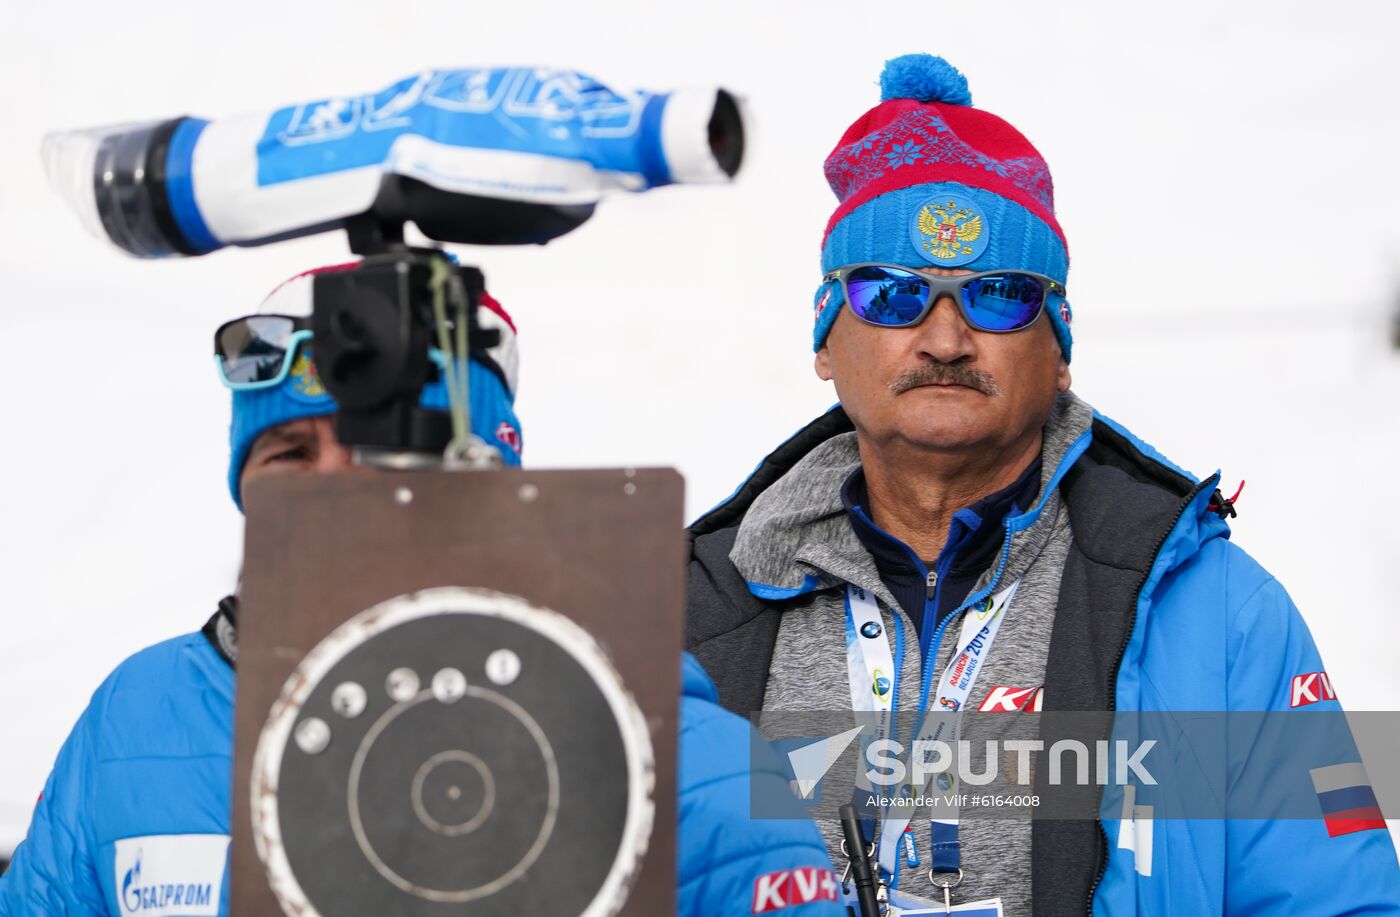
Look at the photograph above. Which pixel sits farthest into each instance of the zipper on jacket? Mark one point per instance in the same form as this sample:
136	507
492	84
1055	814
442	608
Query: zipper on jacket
1118	663
932	581
936	642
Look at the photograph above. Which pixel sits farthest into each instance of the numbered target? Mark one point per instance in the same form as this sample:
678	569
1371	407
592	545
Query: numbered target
454	751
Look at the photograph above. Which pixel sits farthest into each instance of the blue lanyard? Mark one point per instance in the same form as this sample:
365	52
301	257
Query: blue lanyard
979	629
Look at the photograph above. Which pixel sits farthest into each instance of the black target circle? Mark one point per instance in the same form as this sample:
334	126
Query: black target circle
422	796
453	751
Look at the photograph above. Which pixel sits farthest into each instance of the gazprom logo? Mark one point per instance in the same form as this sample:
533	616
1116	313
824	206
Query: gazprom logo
131	892
176	875
137	898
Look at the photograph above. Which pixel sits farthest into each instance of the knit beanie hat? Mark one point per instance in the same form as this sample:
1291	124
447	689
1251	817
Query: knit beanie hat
301	394
924	179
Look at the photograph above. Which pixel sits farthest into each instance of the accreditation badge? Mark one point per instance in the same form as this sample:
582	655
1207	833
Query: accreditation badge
988	907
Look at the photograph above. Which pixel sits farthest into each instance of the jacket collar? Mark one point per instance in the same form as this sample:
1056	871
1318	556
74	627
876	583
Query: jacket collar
221	630
975	532
795	537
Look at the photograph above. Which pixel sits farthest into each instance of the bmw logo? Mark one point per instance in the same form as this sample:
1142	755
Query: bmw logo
870	629
945	781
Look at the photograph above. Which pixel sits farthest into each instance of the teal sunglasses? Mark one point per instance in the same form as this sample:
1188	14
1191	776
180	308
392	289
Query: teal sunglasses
258	351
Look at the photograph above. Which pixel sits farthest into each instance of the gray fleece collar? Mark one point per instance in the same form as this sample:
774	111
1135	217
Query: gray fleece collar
795	537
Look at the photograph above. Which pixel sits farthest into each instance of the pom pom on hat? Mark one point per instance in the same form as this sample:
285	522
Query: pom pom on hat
924	78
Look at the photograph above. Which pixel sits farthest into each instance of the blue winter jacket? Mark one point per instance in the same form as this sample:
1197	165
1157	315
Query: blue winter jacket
135	815
1158	611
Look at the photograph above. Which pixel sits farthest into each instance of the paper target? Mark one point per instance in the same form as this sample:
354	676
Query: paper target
454	751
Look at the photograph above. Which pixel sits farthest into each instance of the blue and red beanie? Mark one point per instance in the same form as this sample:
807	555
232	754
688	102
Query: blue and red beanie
302	394
924	156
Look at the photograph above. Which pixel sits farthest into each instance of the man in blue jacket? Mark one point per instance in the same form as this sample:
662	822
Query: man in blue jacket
135	816
963	533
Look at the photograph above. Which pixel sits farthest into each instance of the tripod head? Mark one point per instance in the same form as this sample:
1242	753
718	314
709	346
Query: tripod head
401	319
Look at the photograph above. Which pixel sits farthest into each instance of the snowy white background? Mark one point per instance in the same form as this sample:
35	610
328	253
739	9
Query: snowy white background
1225	174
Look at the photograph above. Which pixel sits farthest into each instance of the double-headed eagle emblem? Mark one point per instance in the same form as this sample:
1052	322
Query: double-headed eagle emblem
308	381
948	229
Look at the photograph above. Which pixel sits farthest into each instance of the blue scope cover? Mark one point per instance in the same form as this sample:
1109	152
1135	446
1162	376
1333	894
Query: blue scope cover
485	156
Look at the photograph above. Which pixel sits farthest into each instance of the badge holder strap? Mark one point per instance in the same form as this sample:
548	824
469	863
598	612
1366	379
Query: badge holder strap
945	862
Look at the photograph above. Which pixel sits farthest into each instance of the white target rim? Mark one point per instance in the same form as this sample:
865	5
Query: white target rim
563	632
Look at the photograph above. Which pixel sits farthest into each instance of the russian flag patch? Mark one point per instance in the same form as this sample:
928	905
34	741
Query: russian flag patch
1348	802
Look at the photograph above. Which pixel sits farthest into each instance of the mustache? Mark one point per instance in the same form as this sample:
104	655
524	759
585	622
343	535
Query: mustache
944	374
